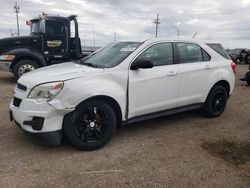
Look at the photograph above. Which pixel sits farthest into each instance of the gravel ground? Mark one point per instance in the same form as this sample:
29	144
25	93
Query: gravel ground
165	152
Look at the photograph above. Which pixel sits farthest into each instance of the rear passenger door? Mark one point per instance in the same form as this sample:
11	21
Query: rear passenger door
194	68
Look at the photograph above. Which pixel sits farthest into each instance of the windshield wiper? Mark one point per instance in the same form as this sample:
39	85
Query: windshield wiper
91	65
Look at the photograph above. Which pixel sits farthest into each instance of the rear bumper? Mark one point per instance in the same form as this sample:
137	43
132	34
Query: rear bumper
5	66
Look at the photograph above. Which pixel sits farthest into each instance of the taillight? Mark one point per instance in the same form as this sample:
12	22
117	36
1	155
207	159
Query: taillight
233	65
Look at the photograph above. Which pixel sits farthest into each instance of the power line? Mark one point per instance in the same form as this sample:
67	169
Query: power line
156	22
17	10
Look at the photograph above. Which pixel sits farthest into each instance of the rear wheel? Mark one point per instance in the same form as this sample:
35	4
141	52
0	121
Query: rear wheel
216	101
23	67
91	125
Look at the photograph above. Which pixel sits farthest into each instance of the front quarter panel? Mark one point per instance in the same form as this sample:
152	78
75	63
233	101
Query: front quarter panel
113	84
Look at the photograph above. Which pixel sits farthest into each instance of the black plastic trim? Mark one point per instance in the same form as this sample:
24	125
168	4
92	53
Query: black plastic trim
163	113
16	102
21	87
36	123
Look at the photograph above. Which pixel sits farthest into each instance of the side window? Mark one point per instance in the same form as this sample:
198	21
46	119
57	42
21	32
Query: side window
54	28
205	55
189	53
159	54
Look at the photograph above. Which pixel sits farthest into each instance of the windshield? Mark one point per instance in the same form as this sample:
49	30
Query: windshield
35	27
110	55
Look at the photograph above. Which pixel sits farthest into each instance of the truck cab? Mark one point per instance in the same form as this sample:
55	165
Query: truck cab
50	42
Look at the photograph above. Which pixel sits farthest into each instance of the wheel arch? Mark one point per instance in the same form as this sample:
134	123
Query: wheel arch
224	84
26	53
111	102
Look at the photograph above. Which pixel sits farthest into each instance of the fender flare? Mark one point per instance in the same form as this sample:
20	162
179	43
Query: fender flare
26	53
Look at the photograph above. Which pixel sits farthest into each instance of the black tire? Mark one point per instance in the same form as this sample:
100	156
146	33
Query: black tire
248	82
24	66
216	101
82	129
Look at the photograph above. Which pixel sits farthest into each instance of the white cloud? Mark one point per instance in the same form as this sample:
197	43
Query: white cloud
223	20
193	21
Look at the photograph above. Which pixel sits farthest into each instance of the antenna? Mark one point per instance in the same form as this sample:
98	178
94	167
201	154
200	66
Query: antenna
17	10
195	34
156	22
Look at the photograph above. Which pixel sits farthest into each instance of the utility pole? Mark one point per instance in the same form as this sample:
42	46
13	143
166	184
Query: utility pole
83	38
178	31
17	10
94	38
156	22
114	36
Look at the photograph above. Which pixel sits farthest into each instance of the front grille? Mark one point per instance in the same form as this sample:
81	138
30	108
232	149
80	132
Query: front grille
21	87
16	102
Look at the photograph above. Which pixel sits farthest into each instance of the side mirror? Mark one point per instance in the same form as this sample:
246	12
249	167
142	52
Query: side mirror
142	64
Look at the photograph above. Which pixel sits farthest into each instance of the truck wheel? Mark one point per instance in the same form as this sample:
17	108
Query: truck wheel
91	125
216	101
23	67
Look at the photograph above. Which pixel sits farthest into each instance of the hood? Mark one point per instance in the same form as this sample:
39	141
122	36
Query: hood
10	42
60	72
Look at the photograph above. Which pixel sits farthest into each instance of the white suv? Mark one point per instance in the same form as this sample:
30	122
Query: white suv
122	83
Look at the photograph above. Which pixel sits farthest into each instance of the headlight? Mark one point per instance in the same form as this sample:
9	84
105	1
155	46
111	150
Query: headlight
7	57
46	92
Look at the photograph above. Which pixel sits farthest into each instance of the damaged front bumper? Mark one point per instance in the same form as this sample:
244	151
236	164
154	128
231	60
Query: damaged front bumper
43	120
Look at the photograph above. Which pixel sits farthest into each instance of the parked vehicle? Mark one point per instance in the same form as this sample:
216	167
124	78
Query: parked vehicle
50	42
246	78
238	55
124	82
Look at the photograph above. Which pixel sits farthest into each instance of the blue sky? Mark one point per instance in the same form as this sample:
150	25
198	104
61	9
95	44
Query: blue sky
226	21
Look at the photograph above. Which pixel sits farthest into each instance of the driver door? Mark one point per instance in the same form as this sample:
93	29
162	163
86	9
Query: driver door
54	40
154	89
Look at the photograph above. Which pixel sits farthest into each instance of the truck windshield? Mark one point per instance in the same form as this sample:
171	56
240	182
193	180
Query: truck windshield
35	27
111	55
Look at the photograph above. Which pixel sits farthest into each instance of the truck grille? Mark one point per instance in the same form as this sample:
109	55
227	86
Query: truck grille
21	87
16	102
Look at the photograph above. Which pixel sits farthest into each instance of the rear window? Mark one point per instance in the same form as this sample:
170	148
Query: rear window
219	49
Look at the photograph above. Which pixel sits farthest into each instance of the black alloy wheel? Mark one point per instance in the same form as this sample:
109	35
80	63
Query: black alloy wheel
219	101
216	101
91	125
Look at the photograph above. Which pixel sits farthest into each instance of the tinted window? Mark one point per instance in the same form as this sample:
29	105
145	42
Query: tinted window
35	27
189	53
54	28
205	55
219	49
159	54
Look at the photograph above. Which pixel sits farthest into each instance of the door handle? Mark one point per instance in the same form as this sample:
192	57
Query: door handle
172	73
207	67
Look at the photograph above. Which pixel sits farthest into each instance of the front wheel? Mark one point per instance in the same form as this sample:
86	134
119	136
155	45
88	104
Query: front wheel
216	101
23	67
91	125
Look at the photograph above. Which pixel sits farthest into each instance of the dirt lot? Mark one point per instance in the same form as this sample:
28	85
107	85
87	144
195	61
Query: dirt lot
184	150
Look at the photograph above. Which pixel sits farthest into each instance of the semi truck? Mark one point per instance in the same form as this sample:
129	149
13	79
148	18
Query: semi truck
52	40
